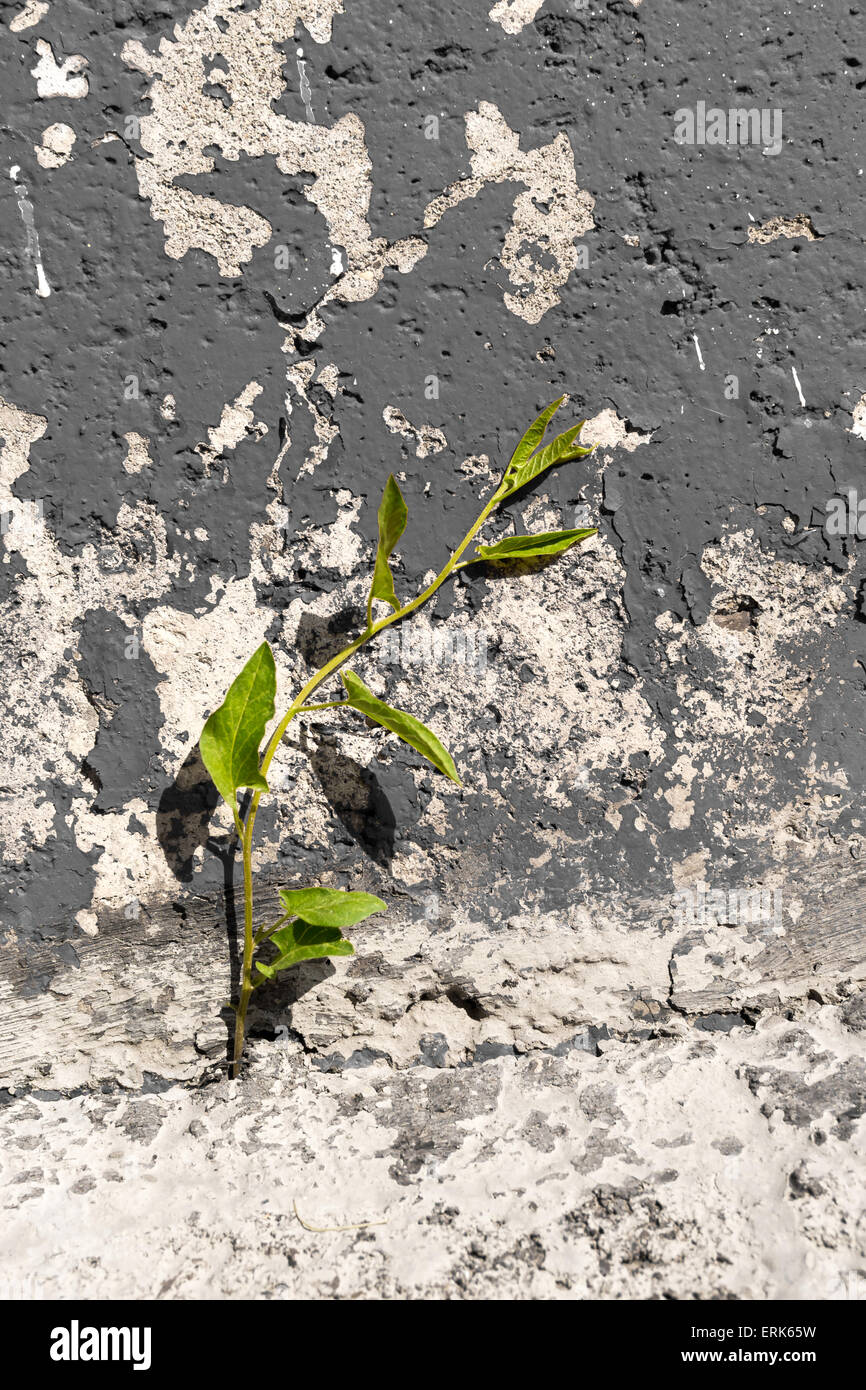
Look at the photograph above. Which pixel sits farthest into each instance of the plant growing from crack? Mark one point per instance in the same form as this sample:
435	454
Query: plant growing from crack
312	919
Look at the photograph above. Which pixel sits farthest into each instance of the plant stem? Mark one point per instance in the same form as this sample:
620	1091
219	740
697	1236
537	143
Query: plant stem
245	831
342	657
264	933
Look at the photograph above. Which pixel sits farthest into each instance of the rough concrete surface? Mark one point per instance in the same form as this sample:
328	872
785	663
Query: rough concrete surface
607	1042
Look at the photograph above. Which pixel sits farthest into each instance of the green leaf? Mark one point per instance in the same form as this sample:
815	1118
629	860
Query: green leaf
231	738
411	730
330	907
302	941
526	464
393	514
533	437
542	543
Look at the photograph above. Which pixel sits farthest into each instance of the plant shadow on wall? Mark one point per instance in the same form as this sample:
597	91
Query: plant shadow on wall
311	921
183	816
353	792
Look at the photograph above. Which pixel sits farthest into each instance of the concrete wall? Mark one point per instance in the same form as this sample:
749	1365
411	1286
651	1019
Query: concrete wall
255	257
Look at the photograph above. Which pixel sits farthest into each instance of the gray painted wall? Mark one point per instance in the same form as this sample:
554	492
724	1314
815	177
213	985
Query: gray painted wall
254	258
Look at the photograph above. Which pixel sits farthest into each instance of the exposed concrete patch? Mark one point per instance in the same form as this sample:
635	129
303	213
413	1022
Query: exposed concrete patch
760	606
19	431
514	15
185	121
56	147
791	227
859	414
609	432
671	1168
300	376
761	610
130	867
236	422
49	594
55	79
426	438
29	15
137	453
200	654
328	377
548	217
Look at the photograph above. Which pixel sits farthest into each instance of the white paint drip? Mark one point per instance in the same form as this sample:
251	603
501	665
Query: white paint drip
25	207
306	89
698	351
798	386
337	266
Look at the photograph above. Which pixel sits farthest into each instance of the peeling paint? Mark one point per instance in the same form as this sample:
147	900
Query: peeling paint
236	422
55	79
137	452
426	438
184	122
55	148
548	217
514	15
29	15
791	227
49	595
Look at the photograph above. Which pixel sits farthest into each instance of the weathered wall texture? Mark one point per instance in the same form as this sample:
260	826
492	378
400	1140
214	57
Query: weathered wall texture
255	256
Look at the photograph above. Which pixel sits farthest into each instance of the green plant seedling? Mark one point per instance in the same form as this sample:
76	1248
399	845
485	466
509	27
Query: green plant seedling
311	920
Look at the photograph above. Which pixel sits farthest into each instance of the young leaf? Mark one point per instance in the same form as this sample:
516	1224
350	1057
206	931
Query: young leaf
526	465
411	730
532	438
330	907
230	739
393	514
542	543
302	941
